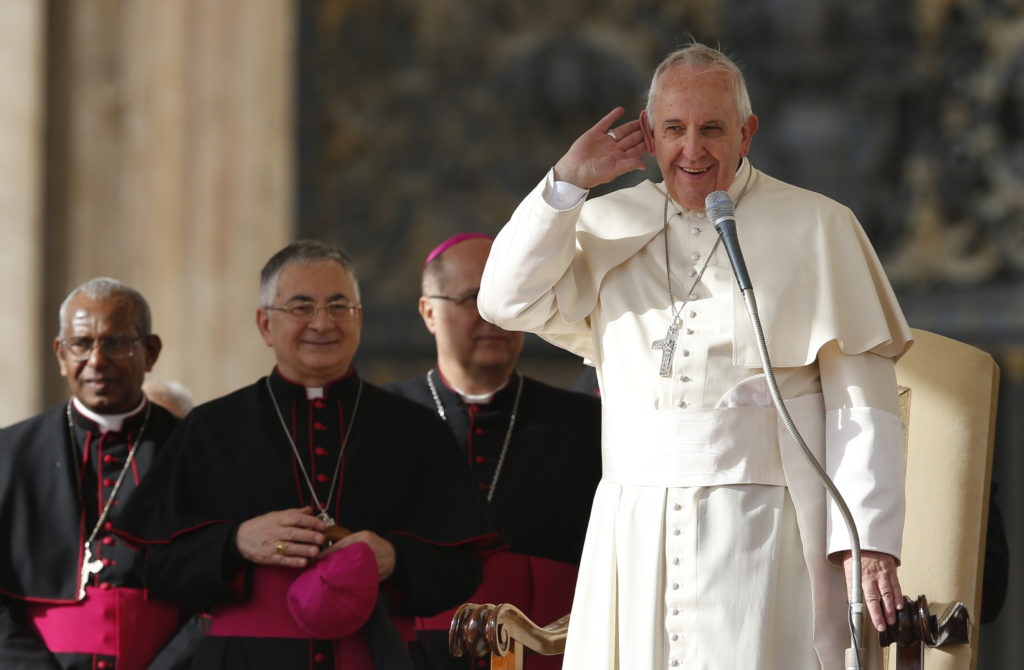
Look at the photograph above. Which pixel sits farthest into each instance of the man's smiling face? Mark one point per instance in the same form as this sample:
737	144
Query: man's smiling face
694	133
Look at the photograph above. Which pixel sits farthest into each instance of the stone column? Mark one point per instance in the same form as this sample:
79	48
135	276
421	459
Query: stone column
22	71
170	168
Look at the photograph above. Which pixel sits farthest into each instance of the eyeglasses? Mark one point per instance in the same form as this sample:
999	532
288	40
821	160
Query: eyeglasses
468	300
80	348
307	311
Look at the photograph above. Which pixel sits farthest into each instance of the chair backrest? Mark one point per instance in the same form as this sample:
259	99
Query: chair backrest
948	395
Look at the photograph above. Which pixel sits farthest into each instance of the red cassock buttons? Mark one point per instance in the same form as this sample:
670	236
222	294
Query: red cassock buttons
102	664
108	540
320	451
322	478
109	458
108	482
319	426
319	404
320	658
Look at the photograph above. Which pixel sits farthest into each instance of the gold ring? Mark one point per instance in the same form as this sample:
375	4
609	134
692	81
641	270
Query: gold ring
280	547
611	134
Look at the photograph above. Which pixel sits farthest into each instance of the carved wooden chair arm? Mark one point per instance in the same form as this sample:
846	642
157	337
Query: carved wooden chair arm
493	630
916	628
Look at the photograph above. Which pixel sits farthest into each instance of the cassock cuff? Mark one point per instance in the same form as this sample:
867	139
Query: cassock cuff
866	460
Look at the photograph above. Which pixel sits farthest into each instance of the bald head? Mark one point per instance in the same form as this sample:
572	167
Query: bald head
474	355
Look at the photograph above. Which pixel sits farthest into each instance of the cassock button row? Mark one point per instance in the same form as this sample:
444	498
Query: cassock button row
676	531
692	314
696	230
102	664
675	637
319	426
320	451
685	352
677	507
108	540
696	255
685	378
691	273
675	586
683	404
480	459
674	662
689	331
322	478
108	525
319	404
107	561
675	561
108	482
109	458
478	431
320	658
675	611
105	586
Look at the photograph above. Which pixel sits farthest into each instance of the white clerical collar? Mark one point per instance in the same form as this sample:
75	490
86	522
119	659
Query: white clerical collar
479	398
314	392
107	422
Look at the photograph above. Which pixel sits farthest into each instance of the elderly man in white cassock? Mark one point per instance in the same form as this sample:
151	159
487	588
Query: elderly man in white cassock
711	543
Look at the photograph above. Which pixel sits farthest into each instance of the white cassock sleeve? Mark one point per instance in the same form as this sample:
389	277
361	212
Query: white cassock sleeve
864	452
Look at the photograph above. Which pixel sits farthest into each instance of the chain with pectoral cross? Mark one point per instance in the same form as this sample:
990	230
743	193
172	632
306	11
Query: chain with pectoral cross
667	344
89	565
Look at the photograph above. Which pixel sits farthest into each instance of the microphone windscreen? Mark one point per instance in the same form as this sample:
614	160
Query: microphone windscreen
719	206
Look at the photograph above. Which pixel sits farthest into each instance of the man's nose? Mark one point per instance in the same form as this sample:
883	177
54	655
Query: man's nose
321	319
693	145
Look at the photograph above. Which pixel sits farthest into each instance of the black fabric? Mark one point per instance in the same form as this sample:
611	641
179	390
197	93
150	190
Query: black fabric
231	461
50	498
545	490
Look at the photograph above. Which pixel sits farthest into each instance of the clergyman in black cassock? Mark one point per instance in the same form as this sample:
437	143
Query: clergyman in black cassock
251	481
65	476
535	450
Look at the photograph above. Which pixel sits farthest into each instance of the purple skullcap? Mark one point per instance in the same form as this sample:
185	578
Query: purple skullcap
335	597
451	242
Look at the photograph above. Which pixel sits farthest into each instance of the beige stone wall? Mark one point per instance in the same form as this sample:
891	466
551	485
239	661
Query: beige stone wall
169	168
21	142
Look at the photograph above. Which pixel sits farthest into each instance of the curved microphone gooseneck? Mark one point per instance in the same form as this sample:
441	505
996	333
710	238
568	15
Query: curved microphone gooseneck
721	212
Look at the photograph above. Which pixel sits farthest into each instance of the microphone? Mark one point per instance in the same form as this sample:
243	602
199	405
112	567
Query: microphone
722	212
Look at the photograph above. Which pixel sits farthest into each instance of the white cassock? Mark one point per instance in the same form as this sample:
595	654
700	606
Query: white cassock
710	536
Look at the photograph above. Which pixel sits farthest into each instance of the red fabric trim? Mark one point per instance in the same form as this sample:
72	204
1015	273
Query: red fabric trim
138	542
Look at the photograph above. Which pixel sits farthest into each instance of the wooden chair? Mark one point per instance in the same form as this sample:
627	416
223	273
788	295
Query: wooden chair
952	389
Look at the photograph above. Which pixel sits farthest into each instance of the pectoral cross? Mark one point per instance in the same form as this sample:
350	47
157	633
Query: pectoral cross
325	517
89	567
667	345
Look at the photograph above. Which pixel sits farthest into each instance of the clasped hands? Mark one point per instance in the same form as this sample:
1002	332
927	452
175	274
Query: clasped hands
294	537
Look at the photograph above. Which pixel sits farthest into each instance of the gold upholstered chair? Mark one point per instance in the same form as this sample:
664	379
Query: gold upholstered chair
948	393
948	402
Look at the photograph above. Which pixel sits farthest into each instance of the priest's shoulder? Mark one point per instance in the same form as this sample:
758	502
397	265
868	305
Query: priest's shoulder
810	205
402	409
49	420
414	388
627	202
564	401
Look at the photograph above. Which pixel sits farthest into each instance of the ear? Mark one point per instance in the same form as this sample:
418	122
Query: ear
64	368
747	131
263	325
153	346
645	128
428	314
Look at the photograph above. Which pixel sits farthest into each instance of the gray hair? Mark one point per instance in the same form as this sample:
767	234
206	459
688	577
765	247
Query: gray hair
700	55
303	252
170	394
104	288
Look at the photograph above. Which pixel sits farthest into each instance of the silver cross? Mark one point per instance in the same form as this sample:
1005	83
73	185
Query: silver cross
667	345
89	567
